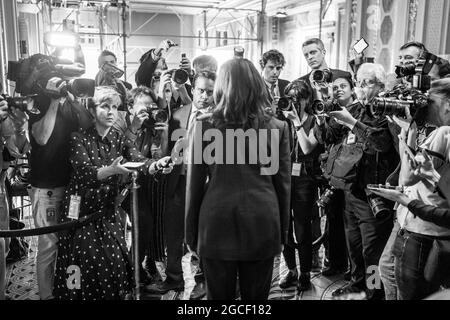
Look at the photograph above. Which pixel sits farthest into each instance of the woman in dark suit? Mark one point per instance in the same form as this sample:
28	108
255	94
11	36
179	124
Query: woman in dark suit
237	209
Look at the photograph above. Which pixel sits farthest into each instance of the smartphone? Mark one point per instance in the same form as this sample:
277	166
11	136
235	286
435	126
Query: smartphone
382	186
133	165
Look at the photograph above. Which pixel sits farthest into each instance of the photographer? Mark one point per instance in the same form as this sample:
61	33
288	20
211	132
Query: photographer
304	184
177	94
14	144
150	139
314	53
416	236
183	118
362	154
50	173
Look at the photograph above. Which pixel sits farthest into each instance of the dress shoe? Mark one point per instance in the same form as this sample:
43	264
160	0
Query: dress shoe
199	291
289	280
304	282
346	290
164	287
348	275
330	271
316	263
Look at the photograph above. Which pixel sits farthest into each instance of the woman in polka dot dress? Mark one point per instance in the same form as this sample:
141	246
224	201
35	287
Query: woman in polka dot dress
93	261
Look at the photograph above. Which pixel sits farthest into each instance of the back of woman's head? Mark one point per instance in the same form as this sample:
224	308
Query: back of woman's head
240	94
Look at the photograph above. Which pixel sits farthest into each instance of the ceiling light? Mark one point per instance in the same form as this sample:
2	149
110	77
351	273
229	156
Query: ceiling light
281	14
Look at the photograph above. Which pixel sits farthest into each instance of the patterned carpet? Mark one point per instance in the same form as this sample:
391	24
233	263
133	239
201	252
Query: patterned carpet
22	284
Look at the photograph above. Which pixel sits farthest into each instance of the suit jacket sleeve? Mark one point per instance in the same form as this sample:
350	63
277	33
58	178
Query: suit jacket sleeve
195	188
282	182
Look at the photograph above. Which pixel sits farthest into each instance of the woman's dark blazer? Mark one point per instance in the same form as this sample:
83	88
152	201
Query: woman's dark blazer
233	212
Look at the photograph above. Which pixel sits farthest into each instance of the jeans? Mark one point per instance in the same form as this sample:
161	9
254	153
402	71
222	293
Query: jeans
366	238
411	251
46	204
304	194
387	266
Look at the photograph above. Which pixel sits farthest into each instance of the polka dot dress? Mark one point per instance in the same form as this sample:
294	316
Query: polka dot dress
99	248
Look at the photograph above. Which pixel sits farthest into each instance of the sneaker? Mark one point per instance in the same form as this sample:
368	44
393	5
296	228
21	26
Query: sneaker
304	282
289	280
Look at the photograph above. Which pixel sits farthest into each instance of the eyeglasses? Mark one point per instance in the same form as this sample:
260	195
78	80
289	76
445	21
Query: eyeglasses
368	83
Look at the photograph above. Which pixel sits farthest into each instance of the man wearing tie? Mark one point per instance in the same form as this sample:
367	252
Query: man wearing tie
272	63
183	118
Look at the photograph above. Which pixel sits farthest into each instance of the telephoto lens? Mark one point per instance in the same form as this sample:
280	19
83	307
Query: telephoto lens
180	76
326	198
378	205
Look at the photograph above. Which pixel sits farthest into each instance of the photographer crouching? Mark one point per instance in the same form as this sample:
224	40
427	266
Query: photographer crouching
362	153
14	144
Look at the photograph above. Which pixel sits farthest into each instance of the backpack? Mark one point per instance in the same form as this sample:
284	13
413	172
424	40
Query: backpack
343	164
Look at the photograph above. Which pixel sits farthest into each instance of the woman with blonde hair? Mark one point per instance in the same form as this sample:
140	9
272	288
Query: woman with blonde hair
238	221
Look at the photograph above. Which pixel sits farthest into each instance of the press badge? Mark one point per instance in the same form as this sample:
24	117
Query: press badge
51	214
296	169
351	139
74	207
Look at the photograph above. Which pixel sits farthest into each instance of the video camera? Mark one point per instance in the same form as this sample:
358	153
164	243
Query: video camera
51	76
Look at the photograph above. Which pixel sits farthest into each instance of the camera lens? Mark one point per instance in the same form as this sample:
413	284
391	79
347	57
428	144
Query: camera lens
284	104
379	206
180	76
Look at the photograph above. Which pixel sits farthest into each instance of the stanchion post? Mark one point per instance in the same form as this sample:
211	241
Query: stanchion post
135	238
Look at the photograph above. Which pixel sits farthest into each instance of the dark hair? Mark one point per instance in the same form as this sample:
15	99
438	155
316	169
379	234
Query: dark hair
314	41
416	44
240	95
442	87
204	62
348	79
140	91
302	90
444	67
273	55
106	53
203	74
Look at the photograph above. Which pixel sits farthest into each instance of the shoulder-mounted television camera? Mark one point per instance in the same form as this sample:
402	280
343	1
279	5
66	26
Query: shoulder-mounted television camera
42	74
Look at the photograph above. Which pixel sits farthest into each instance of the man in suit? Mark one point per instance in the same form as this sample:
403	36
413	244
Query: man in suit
272	63
336	253
183	118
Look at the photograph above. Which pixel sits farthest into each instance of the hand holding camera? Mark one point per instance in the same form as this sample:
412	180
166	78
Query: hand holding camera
394	194
344	118
138	119
164	46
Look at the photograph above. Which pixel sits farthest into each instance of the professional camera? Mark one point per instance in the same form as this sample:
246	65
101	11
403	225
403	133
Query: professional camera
326	198
112	70
394	103
156	115
418	72
322	76
24	104
321	107
54	77
284	104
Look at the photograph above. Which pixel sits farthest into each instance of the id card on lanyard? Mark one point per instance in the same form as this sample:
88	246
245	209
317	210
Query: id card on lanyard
74	205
